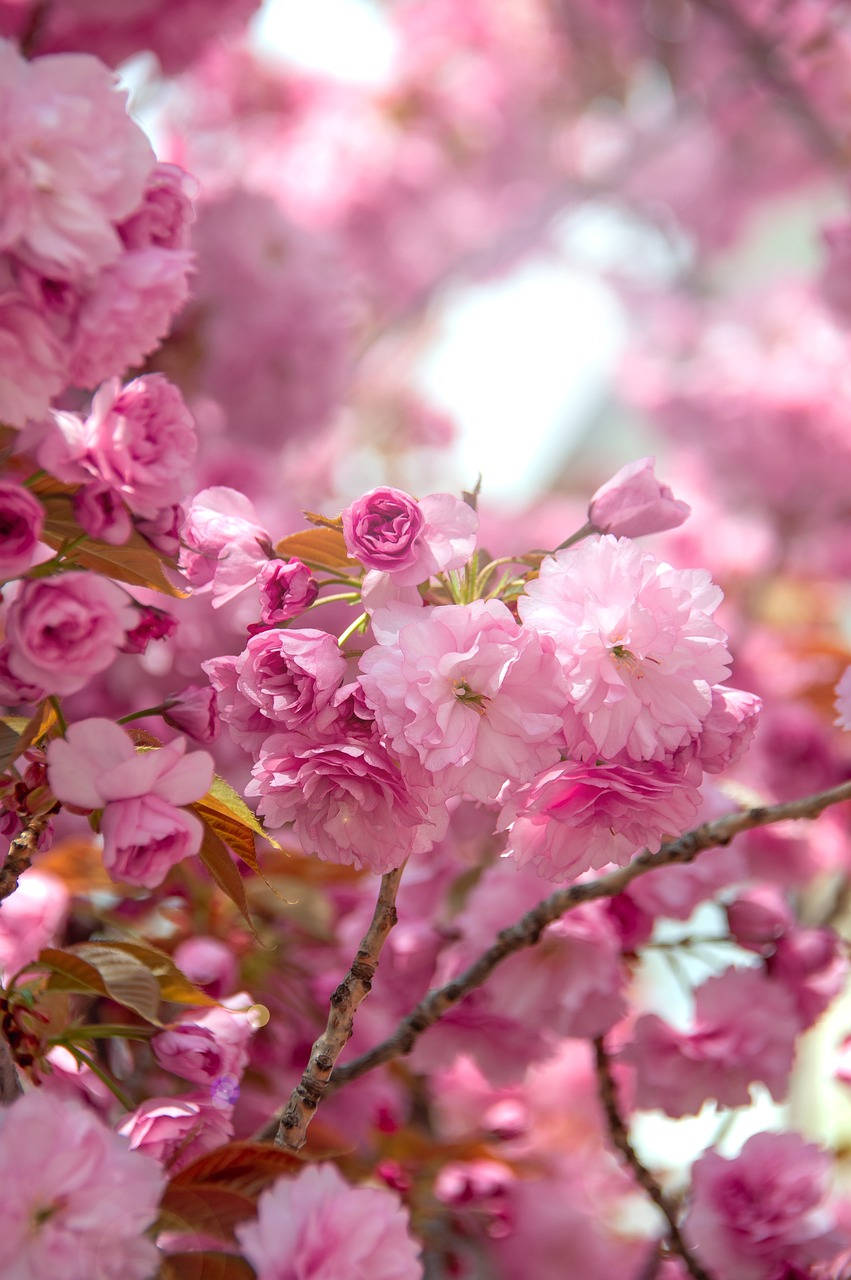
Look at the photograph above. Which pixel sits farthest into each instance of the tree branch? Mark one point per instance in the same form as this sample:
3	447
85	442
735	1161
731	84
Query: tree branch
21	851
526	931
290	1128
620	1140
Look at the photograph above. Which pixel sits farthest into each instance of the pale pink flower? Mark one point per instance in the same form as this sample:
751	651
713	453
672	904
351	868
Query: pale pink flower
575	816
348	799
843	701
75	164
175	1131
194	711
76	1201
64	630
745	1026
222	543
287	588
634	502
164	216
33	359
144	837
208	1047
762	1215
474	696
316	1226
99	510
31	918
141	440
637	642
728	729
21	521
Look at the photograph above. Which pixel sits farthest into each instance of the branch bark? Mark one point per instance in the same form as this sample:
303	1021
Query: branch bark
20	854
620	1141
526	931
290	1128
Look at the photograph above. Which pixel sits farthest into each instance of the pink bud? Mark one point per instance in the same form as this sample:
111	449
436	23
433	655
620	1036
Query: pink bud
21	520
286	589
194	712
100	511
633	502
153	624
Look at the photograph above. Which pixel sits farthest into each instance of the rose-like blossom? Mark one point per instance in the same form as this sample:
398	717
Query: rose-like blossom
76	1201
575	816
193	711
637	641
316	1226
348	799
33	359
175	1131
151	624
287	588
763	1214
127	312
728	728
745	1027
843	701
163	217
99	510
141	440
634	502
12	689
30	918
75	164
207	1047
144	837
381	529
163	531
222	543
758	917
64	630
811	965
473	695
21	521
282	680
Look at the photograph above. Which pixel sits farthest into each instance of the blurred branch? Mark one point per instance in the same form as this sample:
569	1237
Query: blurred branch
620	1140
21	851
767	61
290	1128
527	931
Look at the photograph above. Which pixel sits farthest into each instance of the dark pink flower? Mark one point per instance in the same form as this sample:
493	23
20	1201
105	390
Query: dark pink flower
99	510
811	965
175	1131
286	588
381	529
151	624
21	521
193	711
634	502
164	216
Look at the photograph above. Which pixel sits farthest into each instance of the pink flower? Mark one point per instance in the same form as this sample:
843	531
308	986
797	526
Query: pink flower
208	1048
637	641
151	624
282	680
575	816
382	528
634	502
348	800
12	689
728	729
33	359
762	1214
76	1202
208	962
193	711
31	917
144	837
141	440
164	216
75	164
222	543
811	965
64	630
99	510
758	918
474	696
316	1226
744	1031
21	521
175	1131
286	588
843	701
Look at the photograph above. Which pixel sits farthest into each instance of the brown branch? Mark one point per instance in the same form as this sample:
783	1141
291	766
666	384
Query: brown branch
293	1122
20	854
768	63
526	931
10	1084
620	1141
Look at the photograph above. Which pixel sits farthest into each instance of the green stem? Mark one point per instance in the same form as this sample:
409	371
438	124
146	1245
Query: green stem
349	596
352	628
102	1075
584	532
104	1031
63	723
147	711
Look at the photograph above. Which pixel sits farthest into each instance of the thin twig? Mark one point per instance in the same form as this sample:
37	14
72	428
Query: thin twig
310	1090
620	1140
527	931
21	852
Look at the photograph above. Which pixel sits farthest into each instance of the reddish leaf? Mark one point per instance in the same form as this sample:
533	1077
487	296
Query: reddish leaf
240	1164
205	1266
320	548
174	985
135	561
219	863
205	1208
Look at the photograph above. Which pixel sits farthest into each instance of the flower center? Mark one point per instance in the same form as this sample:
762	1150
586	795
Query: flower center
464	693
626	658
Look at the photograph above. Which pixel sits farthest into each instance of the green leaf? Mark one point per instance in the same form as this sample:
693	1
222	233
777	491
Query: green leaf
135	561
101	968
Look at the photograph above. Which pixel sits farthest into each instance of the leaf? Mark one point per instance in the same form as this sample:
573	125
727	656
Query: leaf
17	733
240	1165
100	968
135	561
173	984
219	863
9	739
205	1266
206	1208
229	801
319	548
227	814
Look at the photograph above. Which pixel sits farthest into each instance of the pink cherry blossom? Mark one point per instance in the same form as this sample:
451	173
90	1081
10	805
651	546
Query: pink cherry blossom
640	649
76	1201
222	543
576	816
286	589
99	510
144	837
33	359
31	918
175	1131
315	1226
194	711
634	502
811	965
473	695
382	529
763	1214
745	1028
728	729
21	521
758	917
207	1048
151	624
64	630
164	216
208	962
